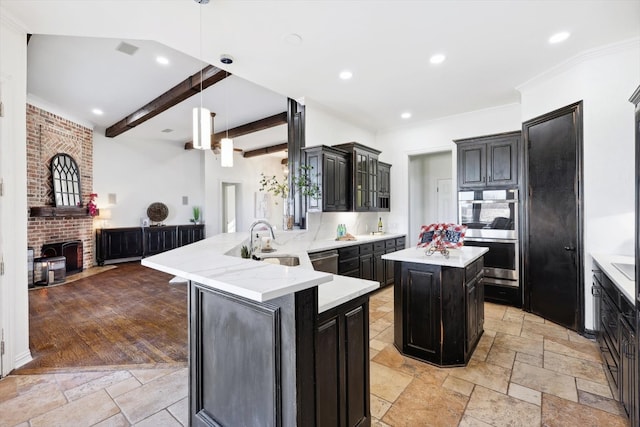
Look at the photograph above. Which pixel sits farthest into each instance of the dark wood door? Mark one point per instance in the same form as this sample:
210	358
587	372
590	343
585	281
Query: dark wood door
366	267
553	216
502	161
421	300
472	164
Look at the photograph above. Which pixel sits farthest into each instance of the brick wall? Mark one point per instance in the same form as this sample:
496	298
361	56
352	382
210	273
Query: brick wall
48	135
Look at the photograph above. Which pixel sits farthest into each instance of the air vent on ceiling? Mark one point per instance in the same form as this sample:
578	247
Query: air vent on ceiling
127	48
167	130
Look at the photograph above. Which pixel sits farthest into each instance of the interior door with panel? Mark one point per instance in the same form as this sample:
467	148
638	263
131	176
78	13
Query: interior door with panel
553	282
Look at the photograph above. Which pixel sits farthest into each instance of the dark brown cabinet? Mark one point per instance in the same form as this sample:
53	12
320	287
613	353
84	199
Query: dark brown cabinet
342	366
367	266
384	186
489	161
330	171
615	318
131	243
364	261
635	99
438	314
364	176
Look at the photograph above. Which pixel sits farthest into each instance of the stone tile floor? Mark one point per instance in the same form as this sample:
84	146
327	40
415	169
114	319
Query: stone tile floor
525	372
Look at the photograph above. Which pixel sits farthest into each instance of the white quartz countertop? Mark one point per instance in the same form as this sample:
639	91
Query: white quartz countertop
215	262
458	258
605	261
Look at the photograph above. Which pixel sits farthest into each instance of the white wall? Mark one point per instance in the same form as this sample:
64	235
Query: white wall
604	79
14	304
431	137
323	127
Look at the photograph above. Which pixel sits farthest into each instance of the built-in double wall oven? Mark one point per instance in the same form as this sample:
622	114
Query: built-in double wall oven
491	217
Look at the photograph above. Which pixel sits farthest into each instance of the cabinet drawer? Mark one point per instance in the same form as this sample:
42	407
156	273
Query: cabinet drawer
348	252
391	243
367	248
400	242
378	246
347	265
473	269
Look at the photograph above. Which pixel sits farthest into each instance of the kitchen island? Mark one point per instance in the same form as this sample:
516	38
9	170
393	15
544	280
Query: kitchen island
269	343
438	304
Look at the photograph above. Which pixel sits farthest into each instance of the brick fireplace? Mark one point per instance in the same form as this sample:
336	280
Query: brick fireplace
48	135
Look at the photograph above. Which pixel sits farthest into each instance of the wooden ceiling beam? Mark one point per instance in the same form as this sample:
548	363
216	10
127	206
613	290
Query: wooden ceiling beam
245	129
266	150
183	90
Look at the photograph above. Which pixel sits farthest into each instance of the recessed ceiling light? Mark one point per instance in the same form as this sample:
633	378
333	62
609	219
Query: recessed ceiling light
559	37
162	60
437	59
97	111
406	115
346	75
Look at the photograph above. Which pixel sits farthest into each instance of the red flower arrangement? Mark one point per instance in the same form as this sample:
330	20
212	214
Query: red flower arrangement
92	208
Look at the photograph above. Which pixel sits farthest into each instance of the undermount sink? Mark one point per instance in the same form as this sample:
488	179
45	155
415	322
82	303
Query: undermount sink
286	260
628	270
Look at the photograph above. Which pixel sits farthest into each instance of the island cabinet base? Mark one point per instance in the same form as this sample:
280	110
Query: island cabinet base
272	363
438	311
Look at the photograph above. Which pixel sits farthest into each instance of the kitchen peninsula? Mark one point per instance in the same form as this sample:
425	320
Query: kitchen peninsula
438	304
268	343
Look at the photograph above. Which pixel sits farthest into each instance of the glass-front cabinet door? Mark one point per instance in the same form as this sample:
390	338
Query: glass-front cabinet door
361	182
373	182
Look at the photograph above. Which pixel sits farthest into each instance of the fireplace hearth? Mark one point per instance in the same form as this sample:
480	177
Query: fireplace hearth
72	251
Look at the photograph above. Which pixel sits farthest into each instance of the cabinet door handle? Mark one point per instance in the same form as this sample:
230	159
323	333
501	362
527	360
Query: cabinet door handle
570	248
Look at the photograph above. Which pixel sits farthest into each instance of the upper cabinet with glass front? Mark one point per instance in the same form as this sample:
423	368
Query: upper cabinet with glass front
364	190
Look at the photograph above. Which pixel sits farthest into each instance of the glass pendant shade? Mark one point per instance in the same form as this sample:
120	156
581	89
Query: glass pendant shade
201	128
226	152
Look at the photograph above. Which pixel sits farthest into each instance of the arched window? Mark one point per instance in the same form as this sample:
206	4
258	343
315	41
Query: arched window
66	180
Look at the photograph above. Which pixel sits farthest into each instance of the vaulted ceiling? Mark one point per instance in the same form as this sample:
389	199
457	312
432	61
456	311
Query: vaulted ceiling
297	49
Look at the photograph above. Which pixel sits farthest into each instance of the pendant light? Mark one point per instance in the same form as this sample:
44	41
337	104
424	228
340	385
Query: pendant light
201	116
226	144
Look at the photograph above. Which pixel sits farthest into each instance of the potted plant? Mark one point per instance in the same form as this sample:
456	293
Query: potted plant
196	215
299	182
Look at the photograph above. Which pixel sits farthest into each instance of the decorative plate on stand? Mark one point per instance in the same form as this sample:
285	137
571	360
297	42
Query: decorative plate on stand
157	212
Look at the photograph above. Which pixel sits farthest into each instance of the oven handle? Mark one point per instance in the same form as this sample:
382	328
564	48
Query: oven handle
489	240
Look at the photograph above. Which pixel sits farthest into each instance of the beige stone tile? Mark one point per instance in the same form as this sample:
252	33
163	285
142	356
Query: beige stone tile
146	375
575	367
532	336
386	336
489	333
530	317
387	383
599	402
518	344
560	412
484	374
482	349
180	411
544	380
87	410
373	353
494	311
525	393
513	314
594	388
162	418
426	404
578	349
529	359
375	315
468	421
391	358
122	387
96	384
379	325
499	409
546	329
118	420
501	356
456	384
379	406
575	337
387	307
504	326
378	423
378	345
153	396
37	399
74	379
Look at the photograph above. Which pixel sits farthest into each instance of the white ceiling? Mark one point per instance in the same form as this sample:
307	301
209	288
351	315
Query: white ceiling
491	48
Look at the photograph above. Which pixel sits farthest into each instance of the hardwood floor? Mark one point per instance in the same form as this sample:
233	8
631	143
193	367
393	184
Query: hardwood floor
129	315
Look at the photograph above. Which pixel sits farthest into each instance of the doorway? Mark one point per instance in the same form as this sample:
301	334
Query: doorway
230	198
553	217
431	191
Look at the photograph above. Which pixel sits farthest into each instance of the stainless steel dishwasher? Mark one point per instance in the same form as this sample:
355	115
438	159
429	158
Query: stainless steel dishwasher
326	261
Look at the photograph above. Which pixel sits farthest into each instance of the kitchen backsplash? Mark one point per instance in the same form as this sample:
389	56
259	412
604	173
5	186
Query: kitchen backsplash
324	224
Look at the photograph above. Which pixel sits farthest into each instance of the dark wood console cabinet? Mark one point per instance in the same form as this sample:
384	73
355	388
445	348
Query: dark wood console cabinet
130	243
488	161
438	311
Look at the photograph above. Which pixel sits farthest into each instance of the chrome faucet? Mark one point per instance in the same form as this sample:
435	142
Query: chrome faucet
255	223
